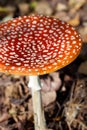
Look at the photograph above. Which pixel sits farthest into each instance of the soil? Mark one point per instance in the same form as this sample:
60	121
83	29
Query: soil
64	92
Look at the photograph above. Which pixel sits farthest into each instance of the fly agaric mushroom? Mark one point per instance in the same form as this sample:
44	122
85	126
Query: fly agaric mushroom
35	45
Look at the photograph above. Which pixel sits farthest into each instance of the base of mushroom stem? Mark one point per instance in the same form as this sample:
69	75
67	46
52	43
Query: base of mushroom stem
39	118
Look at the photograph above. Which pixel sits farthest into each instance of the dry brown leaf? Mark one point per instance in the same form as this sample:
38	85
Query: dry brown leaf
61	7
75	21
83	32
4	117
24	8
83	68
48	98
75	5
43	8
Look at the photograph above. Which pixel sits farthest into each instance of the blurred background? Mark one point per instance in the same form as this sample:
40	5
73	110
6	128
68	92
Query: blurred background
64	92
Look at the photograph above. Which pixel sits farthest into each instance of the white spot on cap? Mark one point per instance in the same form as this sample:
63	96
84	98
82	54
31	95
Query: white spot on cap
18	64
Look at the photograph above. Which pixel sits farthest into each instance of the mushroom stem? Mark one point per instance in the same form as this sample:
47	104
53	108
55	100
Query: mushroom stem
39	118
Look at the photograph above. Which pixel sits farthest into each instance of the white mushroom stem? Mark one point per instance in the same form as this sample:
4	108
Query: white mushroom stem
39	119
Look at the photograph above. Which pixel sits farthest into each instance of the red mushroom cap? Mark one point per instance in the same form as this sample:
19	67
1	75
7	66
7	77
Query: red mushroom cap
33	45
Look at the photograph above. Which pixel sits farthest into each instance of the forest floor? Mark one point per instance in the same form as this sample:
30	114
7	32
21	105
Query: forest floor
65	102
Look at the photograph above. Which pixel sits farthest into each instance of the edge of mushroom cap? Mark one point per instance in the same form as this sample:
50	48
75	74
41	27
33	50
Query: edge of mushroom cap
33	73
40	72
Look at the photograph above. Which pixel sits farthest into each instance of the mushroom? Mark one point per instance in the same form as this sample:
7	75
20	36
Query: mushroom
35	45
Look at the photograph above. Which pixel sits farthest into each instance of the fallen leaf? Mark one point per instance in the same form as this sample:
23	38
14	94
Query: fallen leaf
75	21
